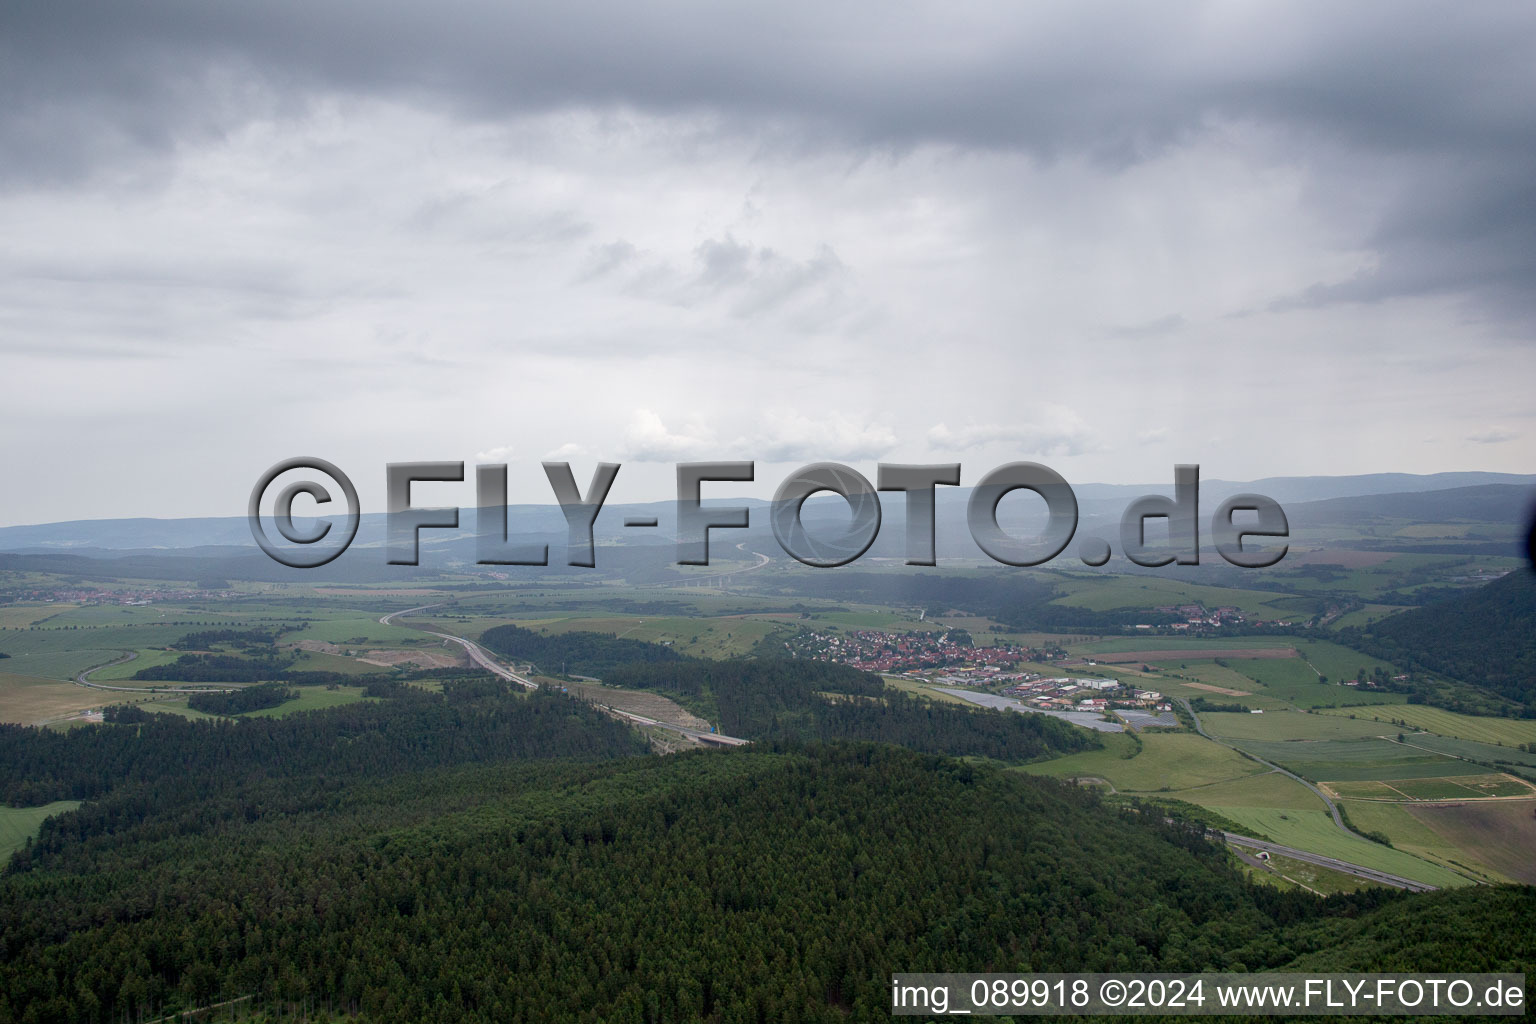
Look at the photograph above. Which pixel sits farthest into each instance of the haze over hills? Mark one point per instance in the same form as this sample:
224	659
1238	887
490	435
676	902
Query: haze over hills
1496	497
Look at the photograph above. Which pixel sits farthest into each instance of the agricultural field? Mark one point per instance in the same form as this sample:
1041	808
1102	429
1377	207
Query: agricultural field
125	671
1496	731
636	702
1367	615
1187	767
20	616
1338	662
1293	680
1265	788
1450	787
1509	759
1409	834
1354	760
1107	592
705	638
1286	725
32	700
18	824
1170	763
1500	833
352	629
62	664
1191	647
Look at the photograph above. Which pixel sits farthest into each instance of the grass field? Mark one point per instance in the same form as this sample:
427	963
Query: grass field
20	616
313	661
1286	873
1264	789
1214	647
18	824
1315	832
310	698
1168	762
354	630
145	659
63	665
1506	731
1293	680
1367	615
1355	760
28	700
702	638
918	689
1103	593
1284	725
1338	662
1509	759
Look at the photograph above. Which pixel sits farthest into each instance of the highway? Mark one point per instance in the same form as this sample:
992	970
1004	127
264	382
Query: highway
689	581
1369	874
480	657
1338	819
83	679
476	653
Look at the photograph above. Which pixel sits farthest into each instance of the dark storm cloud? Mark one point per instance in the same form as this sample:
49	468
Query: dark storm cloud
1426	110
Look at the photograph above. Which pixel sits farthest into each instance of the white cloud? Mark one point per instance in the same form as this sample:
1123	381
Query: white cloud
1493	435
793	437
504	453
648	439
1053	430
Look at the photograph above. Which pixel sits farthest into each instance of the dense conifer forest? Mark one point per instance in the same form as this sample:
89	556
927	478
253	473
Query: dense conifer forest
581	652
481	855
780	698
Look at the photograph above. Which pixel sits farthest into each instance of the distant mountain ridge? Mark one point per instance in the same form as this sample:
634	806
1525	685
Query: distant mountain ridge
149	534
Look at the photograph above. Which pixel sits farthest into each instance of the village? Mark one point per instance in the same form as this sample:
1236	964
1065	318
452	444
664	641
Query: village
128	596
872	650
948	658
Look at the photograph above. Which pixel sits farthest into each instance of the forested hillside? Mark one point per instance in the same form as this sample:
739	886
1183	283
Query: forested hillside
737	885
159	757
1485	637
581	652
778	698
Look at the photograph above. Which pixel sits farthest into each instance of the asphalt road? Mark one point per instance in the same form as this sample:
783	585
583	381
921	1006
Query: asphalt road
1369	874
478	655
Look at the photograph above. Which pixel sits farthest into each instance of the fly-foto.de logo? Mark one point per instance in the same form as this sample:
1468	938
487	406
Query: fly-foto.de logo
1236	520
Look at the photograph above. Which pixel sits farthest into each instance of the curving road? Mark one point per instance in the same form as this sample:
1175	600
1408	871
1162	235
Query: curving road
1338	819
476	653
480	657
762	560
84	679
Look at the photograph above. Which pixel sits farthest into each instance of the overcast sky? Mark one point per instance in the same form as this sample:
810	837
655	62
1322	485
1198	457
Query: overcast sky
1267	238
